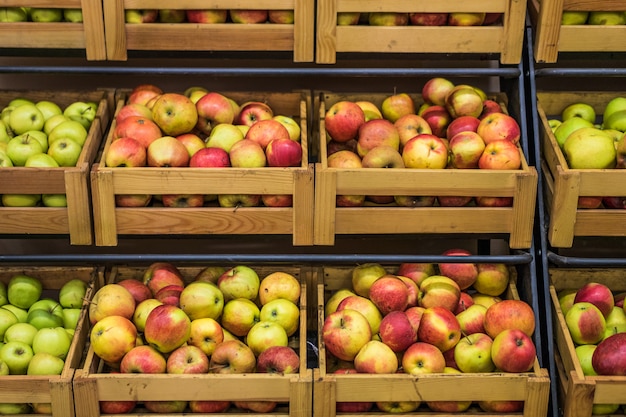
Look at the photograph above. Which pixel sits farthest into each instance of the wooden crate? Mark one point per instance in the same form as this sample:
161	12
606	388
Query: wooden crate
88	35
111	221
54	389
532	387
297	37
75	219
550	37
505	39
563	185
515	221
294	391
578	393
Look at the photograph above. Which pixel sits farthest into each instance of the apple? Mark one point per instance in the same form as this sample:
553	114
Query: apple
586	323
332	303
248	16
509	314
365	306
466	149
65	152
500	154
187	359
200	299
281	311
345	332
26	117
492	279
265	334
343	120
425	152
464	274
614	202
23	290
253	111
165	407
388	19
111	299
41	160
206	333
240	281
423	358
132	200
192	142
282	152
494	201
279	285
13	14
53	340
614	105
112	337
472	319
223	136
143	359
238	200
582	110
410	125
436	89
416	271
161	274
142	311
206	16
438	119
20	313
346	159
513	351
71	317
396	331
615	322
382	156
375	133
132	109
169	295
21	200
20	332
376	357
364	275
348	18
428	19
142	93
440	291
589	148
397	105
201	406
464	100
167	151
7	319
501	406
247	153
278	359
370	110
568	127
439	327
498	126
239	315
290	124
389	293
46	317
182	200
398	407
232	357
126	152
210	273
259	406
43	363
584	353
462	124
16	355
21	147
140	128
167	328
597	294
174	113
608	357
466	19
473	353
48	108
607	18
137	288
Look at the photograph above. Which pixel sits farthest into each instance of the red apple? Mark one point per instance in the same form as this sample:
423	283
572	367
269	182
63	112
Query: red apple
411	125
351	406
344	333
425	152
253	111
376	357
494	201
167	151
137	288
143	93
140	128
210	158
423	358
169	294
208	406
165	407
466	148
613	202
589	202
278	359
143	359
462	124
490	107
439	291
501	406
454	201
439	327
182	200
161	274
375	133
465	300
396	331
343	120
499	126
282	152
132	200
187	359
126	152
472	319
464	100
428	19
513	351
438	119
213	108
509	314
436	89
256	406
416	271
389	293
597	294
277	200
464	274
167	328
206	16
133	109
609	356
264	131
364	306
500	154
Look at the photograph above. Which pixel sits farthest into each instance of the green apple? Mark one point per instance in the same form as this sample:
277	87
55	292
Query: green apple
45	14
21	332
4	369
20	313
566	299
3	294
68	129
582	110
590	148
65	151
21	200
606	18
72	293
16	355
568	126
604	409
14	408
615	322
23	290
5	133
13	14
554	123
73	15
54	200
53	122
41	160
584	354
45	312
571	17
40	136
616	121
5	161
614	105
18	101
53	340
21	147
44	363
7	319
48	109
5	115
615	134
26	117
71	317
81	112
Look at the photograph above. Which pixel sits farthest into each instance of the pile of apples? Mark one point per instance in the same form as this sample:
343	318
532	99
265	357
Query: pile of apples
40	14
589	143
42	134
418	19
604	18
225	321
36	331
457	126
209	16
596	320
201	129
428	318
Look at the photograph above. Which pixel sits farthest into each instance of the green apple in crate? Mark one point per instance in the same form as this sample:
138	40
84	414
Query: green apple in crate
46	14
606	18
73	15
590	148
13	14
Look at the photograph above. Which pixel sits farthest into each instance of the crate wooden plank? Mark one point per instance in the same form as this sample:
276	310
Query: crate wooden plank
330	220
111	221
505	39
88	35
294	391
297	37
531	387
578	393
54	389
74	220
551	37
565	185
